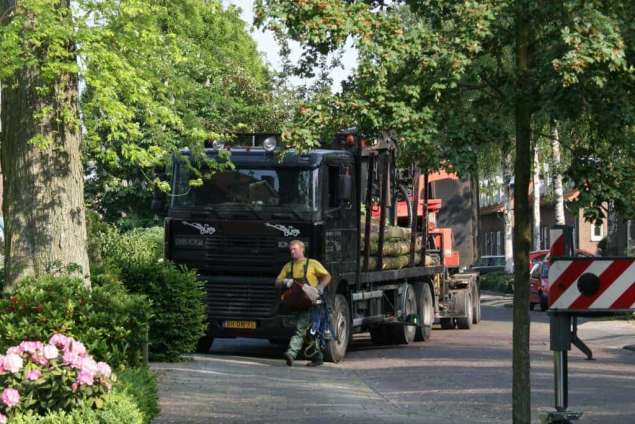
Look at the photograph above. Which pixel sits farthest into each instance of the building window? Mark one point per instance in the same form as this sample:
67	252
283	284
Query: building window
499	250
597	232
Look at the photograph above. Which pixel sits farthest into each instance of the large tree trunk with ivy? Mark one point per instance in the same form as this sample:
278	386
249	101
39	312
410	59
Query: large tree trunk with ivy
536	199
43	199
521	387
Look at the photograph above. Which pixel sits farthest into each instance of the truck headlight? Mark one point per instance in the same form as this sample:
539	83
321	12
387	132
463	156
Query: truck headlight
270	143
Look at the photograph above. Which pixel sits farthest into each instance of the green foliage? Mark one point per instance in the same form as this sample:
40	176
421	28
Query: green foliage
443	74
140	385
118	408
177	296
497	281
108	320
179	312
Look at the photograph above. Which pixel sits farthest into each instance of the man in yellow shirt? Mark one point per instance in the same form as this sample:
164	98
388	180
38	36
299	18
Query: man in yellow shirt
304	271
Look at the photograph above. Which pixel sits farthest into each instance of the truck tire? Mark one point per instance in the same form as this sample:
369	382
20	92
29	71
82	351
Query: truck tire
204	344
476	302
465	323
447	323
404	334
426	314
341	321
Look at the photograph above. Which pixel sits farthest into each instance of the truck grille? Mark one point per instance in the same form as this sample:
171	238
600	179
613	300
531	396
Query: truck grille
233	250
241	299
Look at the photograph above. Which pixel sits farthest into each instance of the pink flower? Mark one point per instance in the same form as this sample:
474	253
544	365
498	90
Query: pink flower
39	359
10	397
3	418
50	352
15	350
78	348
74	387
2	364
34	374
13	363
89	365
30	347
61	341
104	369
72	359
85	377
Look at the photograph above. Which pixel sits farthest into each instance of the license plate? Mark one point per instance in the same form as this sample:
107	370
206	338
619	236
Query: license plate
244	325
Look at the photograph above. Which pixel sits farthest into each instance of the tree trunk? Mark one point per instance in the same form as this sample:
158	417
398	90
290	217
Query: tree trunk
557	174
521	387
508	211
536	199
43	199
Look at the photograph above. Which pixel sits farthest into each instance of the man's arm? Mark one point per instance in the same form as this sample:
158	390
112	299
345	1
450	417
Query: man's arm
280	279
324	278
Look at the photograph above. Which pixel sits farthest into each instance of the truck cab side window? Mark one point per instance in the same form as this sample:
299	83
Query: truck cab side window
334	195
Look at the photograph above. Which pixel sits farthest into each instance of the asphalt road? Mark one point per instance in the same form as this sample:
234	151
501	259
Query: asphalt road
458	376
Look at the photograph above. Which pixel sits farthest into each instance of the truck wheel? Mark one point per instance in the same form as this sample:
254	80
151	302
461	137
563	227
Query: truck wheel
465	323
447	323
404	334
476	302
532	306
341	321
204	344
426	313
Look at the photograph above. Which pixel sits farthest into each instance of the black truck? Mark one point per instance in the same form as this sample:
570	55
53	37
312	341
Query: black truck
235	229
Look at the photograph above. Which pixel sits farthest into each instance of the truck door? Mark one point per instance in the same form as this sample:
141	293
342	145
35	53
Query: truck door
340	225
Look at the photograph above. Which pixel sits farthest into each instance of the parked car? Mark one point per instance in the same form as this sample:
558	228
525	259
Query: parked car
536	256
539	281
487	264
539	285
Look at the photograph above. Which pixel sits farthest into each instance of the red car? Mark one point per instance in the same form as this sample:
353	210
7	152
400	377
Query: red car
539	283
536	256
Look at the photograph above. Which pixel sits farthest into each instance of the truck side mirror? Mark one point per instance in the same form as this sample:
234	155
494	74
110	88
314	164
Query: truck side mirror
346	187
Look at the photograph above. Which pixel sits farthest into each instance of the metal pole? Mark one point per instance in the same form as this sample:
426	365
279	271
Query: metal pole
415	218
560	365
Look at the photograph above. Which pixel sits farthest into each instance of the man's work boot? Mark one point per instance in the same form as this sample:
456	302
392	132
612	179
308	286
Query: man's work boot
315	362
288	358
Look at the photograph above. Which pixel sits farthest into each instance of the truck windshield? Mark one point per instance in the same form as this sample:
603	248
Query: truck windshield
272	188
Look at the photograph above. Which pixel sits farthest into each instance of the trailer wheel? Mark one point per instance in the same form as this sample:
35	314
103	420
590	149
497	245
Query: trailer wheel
476	302
447	323
404	334
204	344
544	302
341	321
465	323
426	312
532	306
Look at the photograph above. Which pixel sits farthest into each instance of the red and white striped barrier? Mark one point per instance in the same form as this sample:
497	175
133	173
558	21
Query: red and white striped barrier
582	284
588	283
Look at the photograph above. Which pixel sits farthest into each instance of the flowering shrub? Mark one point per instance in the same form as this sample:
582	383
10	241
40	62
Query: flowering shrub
59	375
111	322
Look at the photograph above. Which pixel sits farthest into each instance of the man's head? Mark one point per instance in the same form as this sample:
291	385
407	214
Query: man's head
296	248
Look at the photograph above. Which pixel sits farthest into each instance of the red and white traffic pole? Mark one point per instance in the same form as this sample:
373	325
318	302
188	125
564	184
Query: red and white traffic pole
580	286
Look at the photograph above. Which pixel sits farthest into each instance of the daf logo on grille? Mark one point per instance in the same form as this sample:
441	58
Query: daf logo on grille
287	230
204	229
